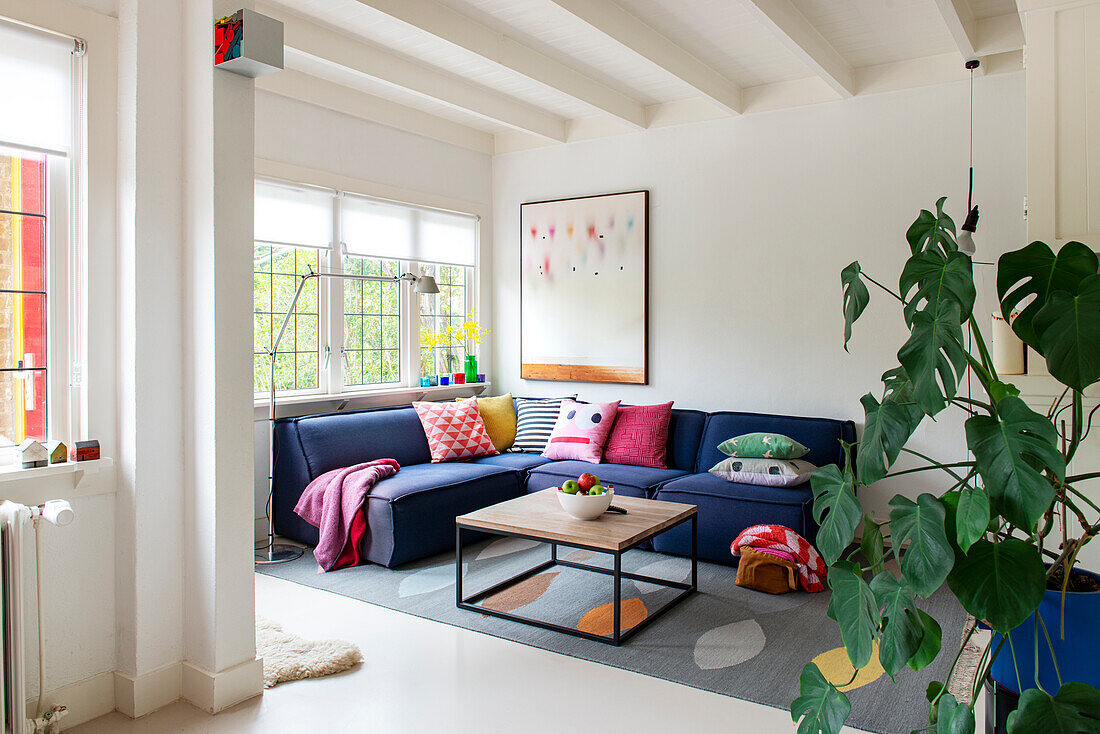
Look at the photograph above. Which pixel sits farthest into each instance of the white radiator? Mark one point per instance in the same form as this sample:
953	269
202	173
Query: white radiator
14	522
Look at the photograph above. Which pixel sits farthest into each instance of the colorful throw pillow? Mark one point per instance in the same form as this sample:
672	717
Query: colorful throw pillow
454	431
581	431
499	414
535	419
763	446
639	436
765	472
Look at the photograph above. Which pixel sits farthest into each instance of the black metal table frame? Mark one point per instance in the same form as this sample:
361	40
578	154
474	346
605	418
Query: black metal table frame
618	636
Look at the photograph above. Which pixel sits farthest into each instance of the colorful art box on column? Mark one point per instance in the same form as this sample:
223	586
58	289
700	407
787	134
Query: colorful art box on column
248	43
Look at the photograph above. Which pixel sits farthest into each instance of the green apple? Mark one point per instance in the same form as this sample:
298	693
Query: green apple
598	489
570	487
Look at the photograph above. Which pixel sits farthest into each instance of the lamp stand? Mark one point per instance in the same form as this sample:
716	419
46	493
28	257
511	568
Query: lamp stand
282	552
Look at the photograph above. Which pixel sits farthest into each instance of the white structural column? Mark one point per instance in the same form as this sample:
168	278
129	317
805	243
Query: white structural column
184	515
220	666
629	31
806	42
149	502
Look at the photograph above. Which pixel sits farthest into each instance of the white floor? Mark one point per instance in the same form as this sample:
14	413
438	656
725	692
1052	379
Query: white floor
422	677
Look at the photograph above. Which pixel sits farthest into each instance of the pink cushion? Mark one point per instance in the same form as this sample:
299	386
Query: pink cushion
640	436
581	431
454	430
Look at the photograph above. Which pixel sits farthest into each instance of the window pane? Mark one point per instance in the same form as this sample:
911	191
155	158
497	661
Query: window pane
372	323
22	407
274	283
447	309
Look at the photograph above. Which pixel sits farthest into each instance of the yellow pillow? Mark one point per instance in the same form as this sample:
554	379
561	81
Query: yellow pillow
499	415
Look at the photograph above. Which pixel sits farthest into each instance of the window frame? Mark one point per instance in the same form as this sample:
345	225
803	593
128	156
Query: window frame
331	293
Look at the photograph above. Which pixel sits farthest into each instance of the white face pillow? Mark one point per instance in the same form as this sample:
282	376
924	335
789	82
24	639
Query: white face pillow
766	472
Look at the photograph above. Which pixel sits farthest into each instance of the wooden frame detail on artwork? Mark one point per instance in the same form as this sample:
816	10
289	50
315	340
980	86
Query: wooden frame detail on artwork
591	373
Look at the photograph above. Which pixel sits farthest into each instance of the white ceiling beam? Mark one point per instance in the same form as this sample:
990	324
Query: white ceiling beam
459	30
806	42
334	96
397	71
960	24
626	29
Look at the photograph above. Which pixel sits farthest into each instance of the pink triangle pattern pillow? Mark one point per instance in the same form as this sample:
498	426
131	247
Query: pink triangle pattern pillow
581	431
454	431
640	436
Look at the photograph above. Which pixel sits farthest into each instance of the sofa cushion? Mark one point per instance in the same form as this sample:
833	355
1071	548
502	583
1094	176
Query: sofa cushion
412	514
516	462
454	431
335	440
640	436
630	481
821	436
685	428
581	431
727	508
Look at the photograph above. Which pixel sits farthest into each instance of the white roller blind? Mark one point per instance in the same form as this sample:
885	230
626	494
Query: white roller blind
447	238
35	88
377	229
293	216
381	229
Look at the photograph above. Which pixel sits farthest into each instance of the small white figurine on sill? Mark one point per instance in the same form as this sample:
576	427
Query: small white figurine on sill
33	454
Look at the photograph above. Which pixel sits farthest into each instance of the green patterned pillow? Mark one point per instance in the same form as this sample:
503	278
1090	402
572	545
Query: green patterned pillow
763	446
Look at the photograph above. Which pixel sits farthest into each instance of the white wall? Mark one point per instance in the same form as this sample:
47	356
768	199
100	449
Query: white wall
751	220
337	148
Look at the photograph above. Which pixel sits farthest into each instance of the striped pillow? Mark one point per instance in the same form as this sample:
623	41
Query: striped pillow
535	419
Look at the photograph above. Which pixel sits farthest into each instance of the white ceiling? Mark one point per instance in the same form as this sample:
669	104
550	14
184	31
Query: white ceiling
530	68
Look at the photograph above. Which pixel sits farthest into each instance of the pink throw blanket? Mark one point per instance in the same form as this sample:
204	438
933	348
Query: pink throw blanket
331	503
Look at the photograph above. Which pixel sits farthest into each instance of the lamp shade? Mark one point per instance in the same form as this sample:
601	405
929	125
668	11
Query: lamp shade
426	284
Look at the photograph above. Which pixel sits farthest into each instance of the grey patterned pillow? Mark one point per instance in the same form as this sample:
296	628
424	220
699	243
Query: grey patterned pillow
765	472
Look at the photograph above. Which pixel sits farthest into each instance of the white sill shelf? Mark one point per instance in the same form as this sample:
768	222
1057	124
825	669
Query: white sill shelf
62	481
372	398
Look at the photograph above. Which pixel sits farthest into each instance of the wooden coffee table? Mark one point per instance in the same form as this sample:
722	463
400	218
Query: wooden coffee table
538	516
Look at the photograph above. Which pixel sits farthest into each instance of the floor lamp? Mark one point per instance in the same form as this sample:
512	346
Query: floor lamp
283	552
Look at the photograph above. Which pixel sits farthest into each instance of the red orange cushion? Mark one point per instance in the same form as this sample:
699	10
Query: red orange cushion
639	436
454	430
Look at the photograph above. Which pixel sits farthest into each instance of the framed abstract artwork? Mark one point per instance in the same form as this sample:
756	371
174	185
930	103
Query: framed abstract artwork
584	288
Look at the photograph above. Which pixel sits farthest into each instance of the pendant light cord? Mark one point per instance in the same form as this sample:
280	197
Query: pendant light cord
970	190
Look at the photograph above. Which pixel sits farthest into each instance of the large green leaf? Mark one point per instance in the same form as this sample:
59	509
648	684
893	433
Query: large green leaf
951	718
1036	271
930	642
872	545
853	607
1000	583
928	559
836	510
934	357
822	708
1075	709
972	516
937	277
1008	448
856	298
932	231
1069	334
902	629
887	426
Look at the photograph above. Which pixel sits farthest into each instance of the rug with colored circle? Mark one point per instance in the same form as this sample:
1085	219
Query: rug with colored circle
724	639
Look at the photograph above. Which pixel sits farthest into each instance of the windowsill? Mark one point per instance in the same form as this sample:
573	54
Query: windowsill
302	404
72	479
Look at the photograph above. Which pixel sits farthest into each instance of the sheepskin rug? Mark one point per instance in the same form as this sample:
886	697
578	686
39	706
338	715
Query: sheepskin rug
289	657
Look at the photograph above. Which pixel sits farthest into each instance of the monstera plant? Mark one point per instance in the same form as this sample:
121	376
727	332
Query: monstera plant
1011	523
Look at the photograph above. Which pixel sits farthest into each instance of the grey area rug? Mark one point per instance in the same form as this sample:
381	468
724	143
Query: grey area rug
724	639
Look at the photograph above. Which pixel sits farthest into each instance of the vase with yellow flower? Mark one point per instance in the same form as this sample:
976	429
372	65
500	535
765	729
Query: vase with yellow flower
469	335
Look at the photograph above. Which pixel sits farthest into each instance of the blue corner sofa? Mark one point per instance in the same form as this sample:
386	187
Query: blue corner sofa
411	515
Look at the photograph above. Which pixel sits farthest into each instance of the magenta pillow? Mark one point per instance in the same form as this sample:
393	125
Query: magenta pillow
581	431
454	430
639	436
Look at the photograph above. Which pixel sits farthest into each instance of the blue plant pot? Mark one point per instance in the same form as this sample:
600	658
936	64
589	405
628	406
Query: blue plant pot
1077	654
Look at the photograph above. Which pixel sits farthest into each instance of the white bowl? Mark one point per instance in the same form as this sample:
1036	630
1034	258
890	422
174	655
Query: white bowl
585	506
